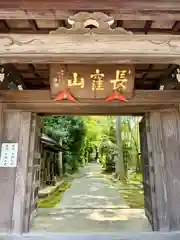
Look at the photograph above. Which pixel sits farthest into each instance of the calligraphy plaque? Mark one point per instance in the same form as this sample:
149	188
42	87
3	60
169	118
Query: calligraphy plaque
92	81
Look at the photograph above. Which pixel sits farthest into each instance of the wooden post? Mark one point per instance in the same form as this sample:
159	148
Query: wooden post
164	152
14	128
16	182
21	172
30	173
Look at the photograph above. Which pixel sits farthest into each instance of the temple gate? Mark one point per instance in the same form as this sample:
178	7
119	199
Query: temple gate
86	57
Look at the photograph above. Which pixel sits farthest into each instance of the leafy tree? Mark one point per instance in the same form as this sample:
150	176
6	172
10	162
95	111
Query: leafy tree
72	131
88	137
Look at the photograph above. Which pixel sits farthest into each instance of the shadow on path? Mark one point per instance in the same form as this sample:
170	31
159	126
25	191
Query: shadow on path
91	205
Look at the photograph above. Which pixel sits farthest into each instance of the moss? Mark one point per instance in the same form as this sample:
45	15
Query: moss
134	197
52	200
132	193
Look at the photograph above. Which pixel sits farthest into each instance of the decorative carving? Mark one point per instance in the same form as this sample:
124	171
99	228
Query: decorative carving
119	84
82	19
100	21
2	75
15	42
176	74
115	95
168	42
65	95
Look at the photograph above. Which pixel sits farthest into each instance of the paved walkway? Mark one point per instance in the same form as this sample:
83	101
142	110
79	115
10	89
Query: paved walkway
92	190
91	205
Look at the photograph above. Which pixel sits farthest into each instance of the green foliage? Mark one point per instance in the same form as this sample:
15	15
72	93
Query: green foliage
71	130
108	146
127	157
130	144
84	137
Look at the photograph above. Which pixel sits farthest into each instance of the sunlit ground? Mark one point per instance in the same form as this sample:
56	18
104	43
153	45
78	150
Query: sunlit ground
91	204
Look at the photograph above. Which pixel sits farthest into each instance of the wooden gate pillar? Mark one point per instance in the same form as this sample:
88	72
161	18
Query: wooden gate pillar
163	131
15	127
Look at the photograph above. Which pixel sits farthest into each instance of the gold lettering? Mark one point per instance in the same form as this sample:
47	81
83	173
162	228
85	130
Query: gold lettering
121	79
97	84
74	81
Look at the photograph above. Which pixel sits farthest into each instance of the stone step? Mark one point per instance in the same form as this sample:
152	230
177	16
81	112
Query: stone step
94	220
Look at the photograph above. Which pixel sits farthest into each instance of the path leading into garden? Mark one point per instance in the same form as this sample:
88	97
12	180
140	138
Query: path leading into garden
92	204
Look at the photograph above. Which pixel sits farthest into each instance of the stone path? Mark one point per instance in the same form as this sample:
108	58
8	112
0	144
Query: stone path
92	190
91	205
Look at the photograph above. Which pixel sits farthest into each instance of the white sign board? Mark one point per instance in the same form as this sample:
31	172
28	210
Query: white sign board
9	155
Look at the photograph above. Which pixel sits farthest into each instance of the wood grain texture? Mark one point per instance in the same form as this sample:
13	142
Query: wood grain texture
84	49
141	97
42	102
92	5
152	175
28	203
148	172
21	172
164	134
158	151
171	144
9	133
117	14
136	9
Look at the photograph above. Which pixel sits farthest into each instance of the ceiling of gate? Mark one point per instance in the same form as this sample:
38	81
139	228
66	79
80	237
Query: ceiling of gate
147	76
41	26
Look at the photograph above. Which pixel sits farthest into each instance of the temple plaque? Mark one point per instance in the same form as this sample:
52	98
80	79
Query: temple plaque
76	82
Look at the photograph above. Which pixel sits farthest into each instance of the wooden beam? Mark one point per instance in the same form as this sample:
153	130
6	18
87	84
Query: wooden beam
92	5
90	48
47	30
118	14
122	10
42	102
